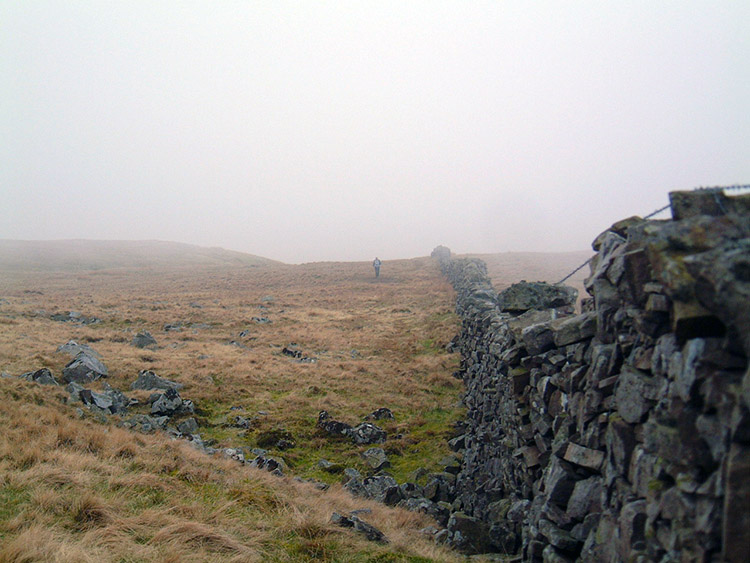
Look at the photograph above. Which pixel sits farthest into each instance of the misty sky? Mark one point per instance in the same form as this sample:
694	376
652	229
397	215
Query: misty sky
306	131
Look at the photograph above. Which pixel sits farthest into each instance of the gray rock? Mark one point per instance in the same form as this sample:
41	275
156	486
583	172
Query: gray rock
329	467
636	393
436	510
376	458
42	376
736	514
559	482
573	329
382	488
167	403
469	534
715	203
556	536
147	380
110	400
586	498
73	349
367	433
411	490
331	426
99	400
188	426
272	464
144	340
74	389
360	526
538	338
441	253
523	296
84	368
382	413
147	424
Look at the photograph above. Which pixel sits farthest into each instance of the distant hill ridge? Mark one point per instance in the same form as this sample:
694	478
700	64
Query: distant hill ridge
82	255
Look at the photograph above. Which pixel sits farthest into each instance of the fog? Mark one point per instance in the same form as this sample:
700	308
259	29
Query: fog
307	131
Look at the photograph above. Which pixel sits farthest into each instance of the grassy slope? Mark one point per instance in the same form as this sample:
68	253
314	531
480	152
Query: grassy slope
82	255
397	325
92	490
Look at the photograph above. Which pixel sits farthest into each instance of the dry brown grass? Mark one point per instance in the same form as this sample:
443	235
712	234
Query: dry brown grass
88	490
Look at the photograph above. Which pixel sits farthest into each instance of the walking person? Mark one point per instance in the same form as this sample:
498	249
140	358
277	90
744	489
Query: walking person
376	264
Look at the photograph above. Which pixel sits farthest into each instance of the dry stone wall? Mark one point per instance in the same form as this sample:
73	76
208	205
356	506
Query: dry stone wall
621	433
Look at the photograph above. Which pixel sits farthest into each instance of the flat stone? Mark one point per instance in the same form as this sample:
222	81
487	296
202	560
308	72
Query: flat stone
586	498
636	393
538	338
573	329
523	296
585	457
556	536
360	526
147	379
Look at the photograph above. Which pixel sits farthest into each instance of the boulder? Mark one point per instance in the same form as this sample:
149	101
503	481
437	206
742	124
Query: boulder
636	393
274	465
146	424
367	433
110	400
42	376
706	202
360	526
144	340
331	426
441	253
376	458
168	403
188	426
523	296
147	380
72	348
573	329
382	413
84	368
382	488
469	534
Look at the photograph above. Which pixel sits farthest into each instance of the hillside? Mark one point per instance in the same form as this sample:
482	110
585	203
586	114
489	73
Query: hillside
84	486
82	255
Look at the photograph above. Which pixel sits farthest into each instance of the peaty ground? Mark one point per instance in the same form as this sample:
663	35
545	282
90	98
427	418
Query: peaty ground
76	488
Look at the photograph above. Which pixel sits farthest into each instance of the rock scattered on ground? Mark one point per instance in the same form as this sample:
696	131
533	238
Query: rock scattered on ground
359	525
72	348
362	434
74	317
84	368
170	403
42	376
147	380
376	458
144	340
382	413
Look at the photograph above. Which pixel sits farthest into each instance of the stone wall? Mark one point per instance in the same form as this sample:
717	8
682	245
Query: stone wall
621	433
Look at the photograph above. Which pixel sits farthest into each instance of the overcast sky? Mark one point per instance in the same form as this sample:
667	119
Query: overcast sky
306	131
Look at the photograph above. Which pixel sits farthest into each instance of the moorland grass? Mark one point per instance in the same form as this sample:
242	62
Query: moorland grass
76	487
100	492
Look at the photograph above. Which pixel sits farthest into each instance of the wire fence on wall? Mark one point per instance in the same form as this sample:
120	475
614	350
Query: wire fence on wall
737	189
